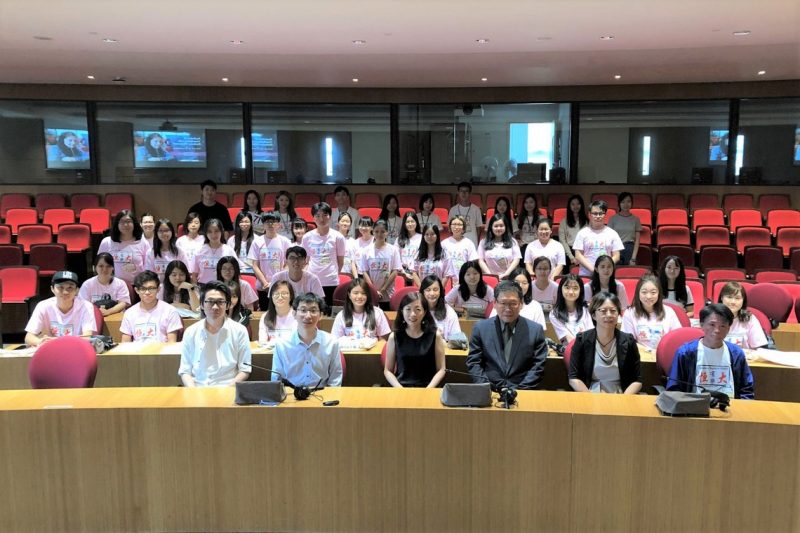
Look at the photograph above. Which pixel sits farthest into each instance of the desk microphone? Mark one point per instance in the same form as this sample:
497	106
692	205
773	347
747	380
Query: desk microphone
300	392
265	369
717	400
508	395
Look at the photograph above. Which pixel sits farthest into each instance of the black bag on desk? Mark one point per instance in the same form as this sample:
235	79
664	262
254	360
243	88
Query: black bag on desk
106	301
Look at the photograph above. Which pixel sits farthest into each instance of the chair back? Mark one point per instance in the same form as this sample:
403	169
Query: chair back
397	297
568	353
683	318
63	363
669	344
763	320
773	300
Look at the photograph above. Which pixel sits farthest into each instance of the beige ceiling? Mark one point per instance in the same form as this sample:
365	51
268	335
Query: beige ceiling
409	43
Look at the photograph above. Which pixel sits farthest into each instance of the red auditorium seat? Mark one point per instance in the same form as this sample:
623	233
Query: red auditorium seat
787	238
98	219
771	276
737	201
718	257
711	236
703	201
762	257
63	363
669	344
739	218
713	275
708	217
673	234
45	201
13	200
672	216
50	258
117	201
779	218
20	283
30	234
305	199
79	202
769	202
670	201
5	234
608	198
76	237
56	217
11	255
752	236
371	199
17	216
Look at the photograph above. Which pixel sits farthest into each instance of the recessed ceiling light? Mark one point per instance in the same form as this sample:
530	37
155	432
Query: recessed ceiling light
42	38
236	41
482	41
606	37
742	33
110	40
617	77
484	79
359	42
762	72
225	80
355	80
89	77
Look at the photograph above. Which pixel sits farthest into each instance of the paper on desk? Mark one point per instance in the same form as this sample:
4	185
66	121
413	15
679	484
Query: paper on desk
25	352
173	348
777	357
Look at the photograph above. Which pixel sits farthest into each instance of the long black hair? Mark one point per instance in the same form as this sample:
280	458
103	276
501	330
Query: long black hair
423	246
427	323
582	218
522	215
137	228
463	288
385	212
560	310
404	237
508	242
439	311
612	281
681	294
271	314
157	241
370	323
237	232
169	291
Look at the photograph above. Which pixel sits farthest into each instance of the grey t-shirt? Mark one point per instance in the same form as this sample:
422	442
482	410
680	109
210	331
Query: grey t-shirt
627	227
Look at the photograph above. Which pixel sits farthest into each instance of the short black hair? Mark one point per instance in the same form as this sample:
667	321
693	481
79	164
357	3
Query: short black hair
600	204
466	184
508	285
321	206
716	309
308	298
208	183
299	250
216	286
342	188
143	277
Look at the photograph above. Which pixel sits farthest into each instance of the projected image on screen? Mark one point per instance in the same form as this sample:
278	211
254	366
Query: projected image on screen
265	149
718	146
797	146
66	148
173	149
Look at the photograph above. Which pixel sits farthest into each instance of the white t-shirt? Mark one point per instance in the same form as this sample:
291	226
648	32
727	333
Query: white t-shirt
449	325
358	329
573	326
214	359
546	297
428	220
159	264
48	319
323	253
459	252
532	311
498	258
472	218
308	283
92	290
270	255
244	253
154	324
553	250
189	246
649	330
379	263
622	294
440	268
205	262
409	252
476	306
594	243
130	257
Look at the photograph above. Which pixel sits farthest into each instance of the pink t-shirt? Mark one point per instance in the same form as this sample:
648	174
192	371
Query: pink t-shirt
439	268
459	252
350	251
92	290
498	258
270	254
205	262
548	296
593	244
189	246
476	306
154	324
323	253
409	252
749	334
130	257
249	294
48	319
284	327
622	294
159	264
244	253
379	263
573	326
449	325
553	250
649	330
308	283
358	330
359	246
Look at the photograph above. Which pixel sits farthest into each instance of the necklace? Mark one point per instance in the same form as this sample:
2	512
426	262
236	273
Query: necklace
605	344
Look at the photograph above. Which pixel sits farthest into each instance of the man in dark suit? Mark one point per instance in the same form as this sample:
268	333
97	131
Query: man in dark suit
507	350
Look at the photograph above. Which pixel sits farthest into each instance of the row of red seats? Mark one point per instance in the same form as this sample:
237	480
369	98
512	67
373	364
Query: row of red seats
114	202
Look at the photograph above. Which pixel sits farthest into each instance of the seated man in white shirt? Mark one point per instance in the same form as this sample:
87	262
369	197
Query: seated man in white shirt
63	314
151	319
215	350
302	281
309	357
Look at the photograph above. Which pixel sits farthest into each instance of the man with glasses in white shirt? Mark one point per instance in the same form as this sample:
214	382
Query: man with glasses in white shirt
309	357
215	350
507	350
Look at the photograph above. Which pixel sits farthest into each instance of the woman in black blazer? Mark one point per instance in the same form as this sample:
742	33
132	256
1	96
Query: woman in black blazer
605	359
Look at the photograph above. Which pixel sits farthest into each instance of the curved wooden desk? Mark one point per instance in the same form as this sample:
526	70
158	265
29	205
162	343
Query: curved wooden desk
175	459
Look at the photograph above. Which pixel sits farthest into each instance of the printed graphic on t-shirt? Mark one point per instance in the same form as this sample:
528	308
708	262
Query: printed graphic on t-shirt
737	339
272	257
145	330
321	252
160	266
649	335
207	262
61	330
713	376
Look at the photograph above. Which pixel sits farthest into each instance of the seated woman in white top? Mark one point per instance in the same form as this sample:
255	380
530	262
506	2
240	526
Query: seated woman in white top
532	310
746	331
278	321
178	289
459	249
545	246
544	289
445	316
426	216
126	246
648	319
498	253
104	286
603	280
570	315
472	295
165	249
672	277
360	319
204	264
228	270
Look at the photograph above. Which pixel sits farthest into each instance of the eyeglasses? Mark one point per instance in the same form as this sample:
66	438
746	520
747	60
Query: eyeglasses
507	303
307	311
608	312
281	295
146	290
596	214
215	303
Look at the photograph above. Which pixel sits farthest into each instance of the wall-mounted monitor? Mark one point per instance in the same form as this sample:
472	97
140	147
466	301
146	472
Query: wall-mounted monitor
265	149
169	149
66	148
717	146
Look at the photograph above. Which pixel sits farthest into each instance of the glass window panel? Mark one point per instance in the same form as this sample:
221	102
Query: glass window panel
321	144
170	143
44	142
683	142
771	135
482	142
